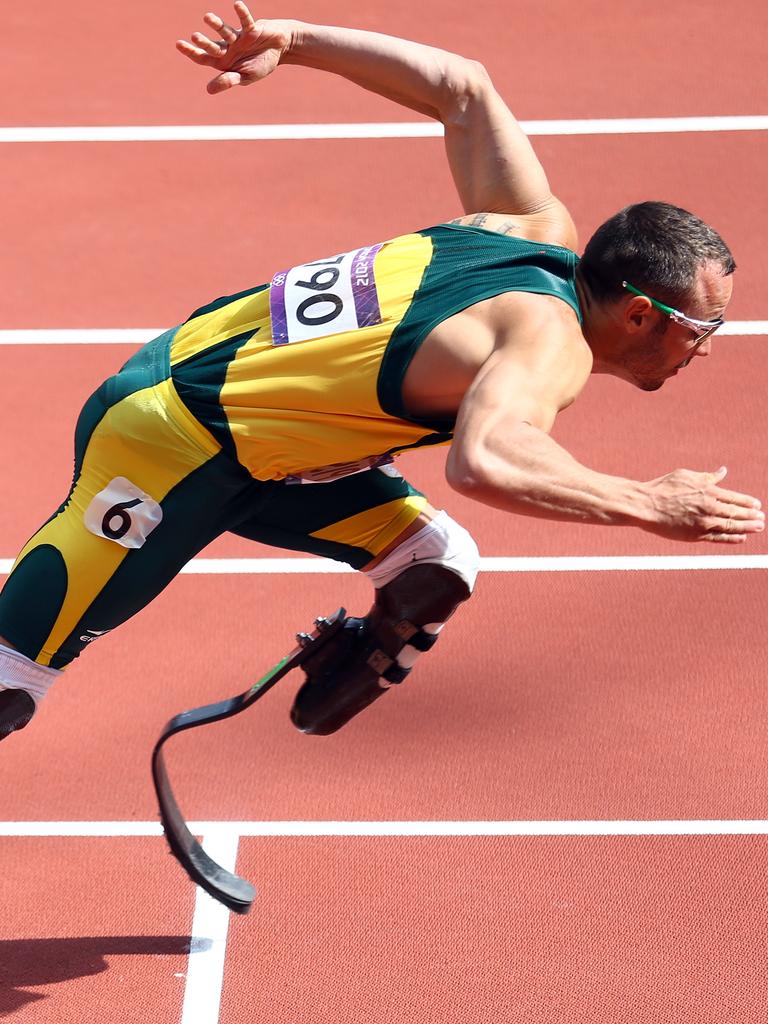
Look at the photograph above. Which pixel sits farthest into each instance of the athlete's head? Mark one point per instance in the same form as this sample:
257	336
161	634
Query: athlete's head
659	278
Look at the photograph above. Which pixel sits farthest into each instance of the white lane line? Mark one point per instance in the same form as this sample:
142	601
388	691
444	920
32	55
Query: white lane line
210	925
261	566
624	563
696	827
565	563
223	835
81	336
83	829
140	336
586	563
369	130
743	328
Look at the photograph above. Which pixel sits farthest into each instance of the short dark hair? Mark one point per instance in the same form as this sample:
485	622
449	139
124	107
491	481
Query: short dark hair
655	246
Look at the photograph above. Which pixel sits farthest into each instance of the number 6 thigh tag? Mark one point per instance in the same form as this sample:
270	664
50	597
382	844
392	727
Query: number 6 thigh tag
122	512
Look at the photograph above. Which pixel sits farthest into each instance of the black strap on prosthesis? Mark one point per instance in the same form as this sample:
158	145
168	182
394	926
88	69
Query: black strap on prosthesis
234	892
387	667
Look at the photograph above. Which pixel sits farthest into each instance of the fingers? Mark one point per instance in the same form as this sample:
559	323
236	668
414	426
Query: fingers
735	526
730	529
736	516
203	50
245	16
734	498
227	33
728	510
726	538
223	82
195	53
213	49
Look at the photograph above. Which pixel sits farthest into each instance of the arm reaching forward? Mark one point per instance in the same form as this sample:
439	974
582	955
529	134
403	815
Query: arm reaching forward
493	163
502	456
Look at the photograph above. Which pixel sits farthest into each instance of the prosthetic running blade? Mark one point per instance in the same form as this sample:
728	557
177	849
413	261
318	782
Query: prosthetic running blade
234	892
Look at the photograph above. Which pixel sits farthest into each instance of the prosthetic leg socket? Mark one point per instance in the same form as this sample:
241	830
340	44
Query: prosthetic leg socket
369	655
16	711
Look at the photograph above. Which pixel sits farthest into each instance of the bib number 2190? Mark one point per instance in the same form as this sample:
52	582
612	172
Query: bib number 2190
325	297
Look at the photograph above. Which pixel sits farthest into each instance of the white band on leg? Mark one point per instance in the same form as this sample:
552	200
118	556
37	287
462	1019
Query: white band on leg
442	542
18	672
407	657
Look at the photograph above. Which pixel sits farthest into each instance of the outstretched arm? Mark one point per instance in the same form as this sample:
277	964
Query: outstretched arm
493	163
503	456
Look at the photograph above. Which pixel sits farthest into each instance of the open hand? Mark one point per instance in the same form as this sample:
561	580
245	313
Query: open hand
690	506
243	55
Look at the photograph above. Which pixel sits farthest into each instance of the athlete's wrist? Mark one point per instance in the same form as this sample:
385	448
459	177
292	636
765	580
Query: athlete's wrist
307	42
635	505
294	33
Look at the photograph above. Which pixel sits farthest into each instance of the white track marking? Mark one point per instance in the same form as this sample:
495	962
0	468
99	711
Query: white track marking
84	829
268	566
565	563
743	328
497	828
210	924
84	336
370	130
226	833
140	336
586	563
624	563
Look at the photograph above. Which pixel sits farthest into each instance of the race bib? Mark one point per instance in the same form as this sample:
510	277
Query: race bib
325	297
327	474
123	513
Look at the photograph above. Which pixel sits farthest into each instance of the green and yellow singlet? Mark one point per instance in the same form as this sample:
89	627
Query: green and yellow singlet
306	373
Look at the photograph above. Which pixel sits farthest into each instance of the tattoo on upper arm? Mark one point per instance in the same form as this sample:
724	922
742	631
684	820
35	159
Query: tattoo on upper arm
477	220
480	220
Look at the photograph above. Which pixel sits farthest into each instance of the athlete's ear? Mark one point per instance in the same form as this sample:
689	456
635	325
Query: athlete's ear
637	312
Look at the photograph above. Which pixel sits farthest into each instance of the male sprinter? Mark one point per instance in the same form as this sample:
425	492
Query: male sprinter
275	413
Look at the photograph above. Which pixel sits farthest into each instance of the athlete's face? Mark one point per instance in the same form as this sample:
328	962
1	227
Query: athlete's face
659	347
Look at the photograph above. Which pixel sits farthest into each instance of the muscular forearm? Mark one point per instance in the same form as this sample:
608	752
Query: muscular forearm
429	80
530	474
523	470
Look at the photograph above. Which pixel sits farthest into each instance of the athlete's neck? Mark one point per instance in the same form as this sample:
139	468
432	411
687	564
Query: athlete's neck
587	304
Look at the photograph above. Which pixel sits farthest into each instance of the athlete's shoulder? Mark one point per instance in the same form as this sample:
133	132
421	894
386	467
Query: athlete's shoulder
541	335
552	225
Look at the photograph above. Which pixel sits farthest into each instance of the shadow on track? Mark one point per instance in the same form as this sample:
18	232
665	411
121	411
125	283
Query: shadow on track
27	963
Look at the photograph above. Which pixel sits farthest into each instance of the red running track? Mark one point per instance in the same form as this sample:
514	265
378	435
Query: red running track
553	60
566	696
504	931
550	696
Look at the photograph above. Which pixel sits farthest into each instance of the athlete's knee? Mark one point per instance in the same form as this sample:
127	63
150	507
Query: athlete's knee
442	542
23	684
418	587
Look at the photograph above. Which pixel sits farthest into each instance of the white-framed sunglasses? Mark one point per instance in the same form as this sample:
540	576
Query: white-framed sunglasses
701	328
